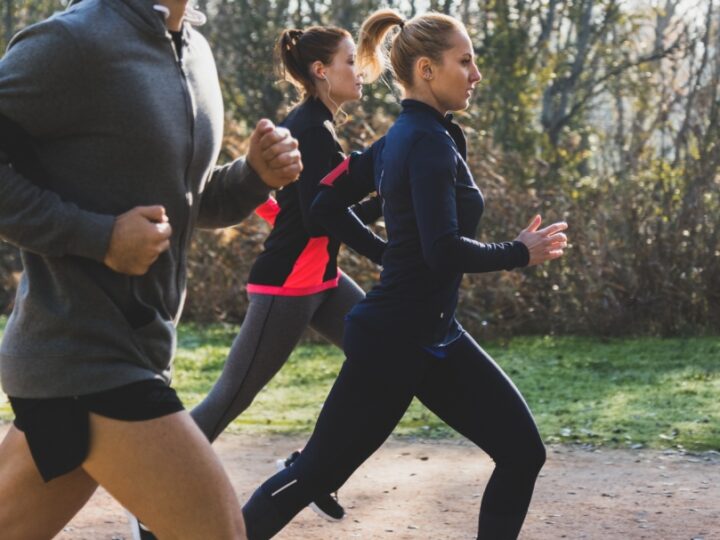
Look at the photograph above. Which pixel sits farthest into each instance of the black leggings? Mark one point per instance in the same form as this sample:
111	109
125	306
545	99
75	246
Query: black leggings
372	392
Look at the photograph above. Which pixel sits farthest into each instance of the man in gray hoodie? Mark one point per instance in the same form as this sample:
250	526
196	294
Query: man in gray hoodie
122	102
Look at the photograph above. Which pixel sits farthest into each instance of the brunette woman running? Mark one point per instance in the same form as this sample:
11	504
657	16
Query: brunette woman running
295	283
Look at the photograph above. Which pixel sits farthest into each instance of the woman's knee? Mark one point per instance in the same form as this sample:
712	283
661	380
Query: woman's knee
537	455
532	456
533	459
525	459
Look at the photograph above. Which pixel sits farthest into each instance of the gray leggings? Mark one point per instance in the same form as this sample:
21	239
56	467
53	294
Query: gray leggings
272	328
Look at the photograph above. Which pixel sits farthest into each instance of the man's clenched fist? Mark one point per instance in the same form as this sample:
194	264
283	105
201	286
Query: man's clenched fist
138	238
274	154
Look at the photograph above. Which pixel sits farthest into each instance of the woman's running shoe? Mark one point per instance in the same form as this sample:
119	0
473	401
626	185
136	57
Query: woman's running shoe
326	506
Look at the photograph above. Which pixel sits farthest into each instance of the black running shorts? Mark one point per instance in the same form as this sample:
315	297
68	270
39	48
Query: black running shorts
57	429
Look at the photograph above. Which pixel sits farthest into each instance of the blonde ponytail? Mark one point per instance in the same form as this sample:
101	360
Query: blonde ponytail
372	51
425	35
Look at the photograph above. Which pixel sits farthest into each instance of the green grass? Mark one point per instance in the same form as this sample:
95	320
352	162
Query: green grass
657	393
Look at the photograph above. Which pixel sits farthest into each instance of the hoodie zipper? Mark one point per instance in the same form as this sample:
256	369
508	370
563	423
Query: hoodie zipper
189	108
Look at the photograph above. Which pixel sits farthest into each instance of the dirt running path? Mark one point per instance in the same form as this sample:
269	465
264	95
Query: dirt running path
431	490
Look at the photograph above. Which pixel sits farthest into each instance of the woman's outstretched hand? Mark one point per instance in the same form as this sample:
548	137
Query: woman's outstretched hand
544	244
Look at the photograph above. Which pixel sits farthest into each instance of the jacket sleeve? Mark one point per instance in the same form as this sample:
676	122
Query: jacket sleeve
231	194
41	68
319	152
346	185
432	168
268	211
369	210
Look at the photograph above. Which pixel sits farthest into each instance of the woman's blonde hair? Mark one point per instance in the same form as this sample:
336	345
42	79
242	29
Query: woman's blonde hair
423	35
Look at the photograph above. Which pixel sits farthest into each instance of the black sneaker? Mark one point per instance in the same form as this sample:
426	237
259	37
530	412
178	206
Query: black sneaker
138	530
326	506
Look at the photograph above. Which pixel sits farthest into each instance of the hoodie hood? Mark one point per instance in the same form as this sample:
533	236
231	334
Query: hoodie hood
140	13
148	12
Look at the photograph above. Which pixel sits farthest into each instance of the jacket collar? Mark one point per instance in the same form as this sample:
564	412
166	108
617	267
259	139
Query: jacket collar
422	107
446	121
318	107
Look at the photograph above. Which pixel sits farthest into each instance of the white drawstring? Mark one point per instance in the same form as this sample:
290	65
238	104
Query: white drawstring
192	16
163	10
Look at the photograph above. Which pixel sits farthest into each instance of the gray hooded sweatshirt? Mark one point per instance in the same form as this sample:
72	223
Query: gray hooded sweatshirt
117	121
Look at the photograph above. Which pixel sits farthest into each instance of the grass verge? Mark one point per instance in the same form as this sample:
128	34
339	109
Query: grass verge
646	392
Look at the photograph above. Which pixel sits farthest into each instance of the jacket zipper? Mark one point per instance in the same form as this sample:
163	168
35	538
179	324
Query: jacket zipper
179	276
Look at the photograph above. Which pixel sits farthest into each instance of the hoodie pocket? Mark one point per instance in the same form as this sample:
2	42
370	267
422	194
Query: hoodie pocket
157	340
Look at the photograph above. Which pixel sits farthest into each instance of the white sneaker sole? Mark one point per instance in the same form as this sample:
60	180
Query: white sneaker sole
134	525
315	508
280	465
